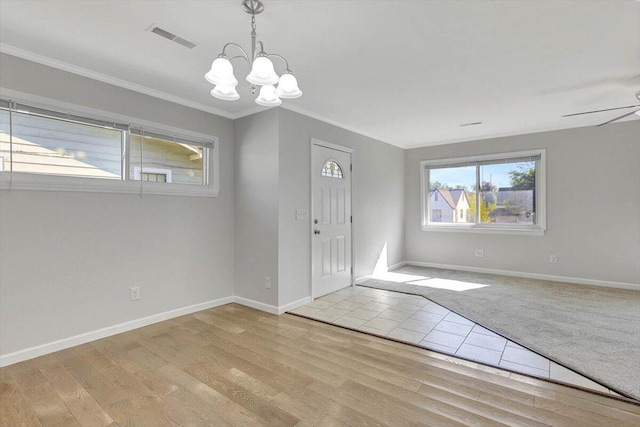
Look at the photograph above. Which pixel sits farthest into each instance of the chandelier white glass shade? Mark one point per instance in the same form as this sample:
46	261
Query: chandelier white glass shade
227	93
221	73
262	71
288	87
268	97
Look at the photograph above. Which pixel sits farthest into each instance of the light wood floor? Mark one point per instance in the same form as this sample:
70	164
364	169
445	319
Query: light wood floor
233	365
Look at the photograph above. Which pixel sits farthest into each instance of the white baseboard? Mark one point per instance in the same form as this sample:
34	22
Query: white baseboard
398	265
271	308
564	279
51	347
32	352
256	304
293	305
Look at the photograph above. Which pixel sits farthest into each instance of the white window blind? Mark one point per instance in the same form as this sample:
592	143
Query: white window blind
29	109
496	161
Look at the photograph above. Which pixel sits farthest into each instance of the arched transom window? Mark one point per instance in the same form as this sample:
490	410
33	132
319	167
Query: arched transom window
332	169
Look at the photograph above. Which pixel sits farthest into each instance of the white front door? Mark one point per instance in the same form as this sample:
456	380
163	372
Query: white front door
331	220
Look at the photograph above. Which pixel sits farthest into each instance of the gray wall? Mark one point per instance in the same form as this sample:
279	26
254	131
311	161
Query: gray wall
273	150
256	206
593	207
67	260
378	200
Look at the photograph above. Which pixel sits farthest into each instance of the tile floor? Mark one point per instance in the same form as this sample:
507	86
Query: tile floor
417	320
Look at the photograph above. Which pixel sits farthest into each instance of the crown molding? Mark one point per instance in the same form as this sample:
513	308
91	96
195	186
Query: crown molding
64	66
499	135
305	112
84	72
251	110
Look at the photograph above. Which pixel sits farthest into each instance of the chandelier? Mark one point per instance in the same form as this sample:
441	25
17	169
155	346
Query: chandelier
262	71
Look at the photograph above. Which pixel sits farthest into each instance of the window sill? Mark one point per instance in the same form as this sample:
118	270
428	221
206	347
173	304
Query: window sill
35	182
524	231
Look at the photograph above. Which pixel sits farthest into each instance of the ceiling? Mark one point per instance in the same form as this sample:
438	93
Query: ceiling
405	72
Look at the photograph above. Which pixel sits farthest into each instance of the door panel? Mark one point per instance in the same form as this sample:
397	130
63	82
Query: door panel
340	253
326	205
340	206
334	204
331	221
326	257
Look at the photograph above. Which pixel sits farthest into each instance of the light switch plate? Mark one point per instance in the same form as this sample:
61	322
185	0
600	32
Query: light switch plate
302	214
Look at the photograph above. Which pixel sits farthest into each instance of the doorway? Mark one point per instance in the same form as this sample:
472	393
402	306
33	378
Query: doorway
331	223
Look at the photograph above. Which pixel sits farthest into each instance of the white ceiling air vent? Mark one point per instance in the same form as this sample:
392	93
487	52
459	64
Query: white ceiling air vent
169	35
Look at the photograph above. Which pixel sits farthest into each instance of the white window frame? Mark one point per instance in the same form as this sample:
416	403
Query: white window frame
10	180
536	229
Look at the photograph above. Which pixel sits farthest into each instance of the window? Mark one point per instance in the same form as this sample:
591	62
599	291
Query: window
153	153
46	149
501	193
36	143
332	170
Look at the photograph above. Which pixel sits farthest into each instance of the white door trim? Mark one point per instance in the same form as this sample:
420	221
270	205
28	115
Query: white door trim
331	145
312	142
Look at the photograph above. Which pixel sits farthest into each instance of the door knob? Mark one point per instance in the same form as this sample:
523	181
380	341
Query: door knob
316	231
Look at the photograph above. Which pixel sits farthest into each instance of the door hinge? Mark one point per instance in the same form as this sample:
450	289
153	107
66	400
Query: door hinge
351	167
352	219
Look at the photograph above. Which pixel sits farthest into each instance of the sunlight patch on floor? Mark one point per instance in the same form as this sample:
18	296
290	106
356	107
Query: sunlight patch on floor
452	285
427	282
396	277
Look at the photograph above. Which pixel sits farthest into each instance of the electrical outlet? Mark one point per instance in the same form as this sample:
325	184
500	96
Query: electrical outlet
553	258
480	253
267	282
135	293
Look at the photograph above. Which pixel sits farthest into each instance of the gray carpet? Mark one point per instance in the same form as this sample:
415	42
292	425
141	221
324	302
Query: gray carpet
593	330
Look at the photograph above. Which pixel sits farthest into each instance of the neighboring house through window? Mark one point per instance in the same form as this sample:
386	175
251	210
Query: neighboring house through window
54	150
449	204
152	174
497	193
154	177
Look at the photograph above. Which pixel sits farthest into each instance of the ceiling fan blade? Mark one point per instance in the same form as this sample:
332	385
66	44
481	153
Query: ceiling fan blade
600	111
617	118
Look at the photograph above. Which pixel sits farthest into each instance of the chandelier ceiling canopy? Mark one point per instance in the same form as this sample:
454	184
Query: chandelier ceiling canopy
262	72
